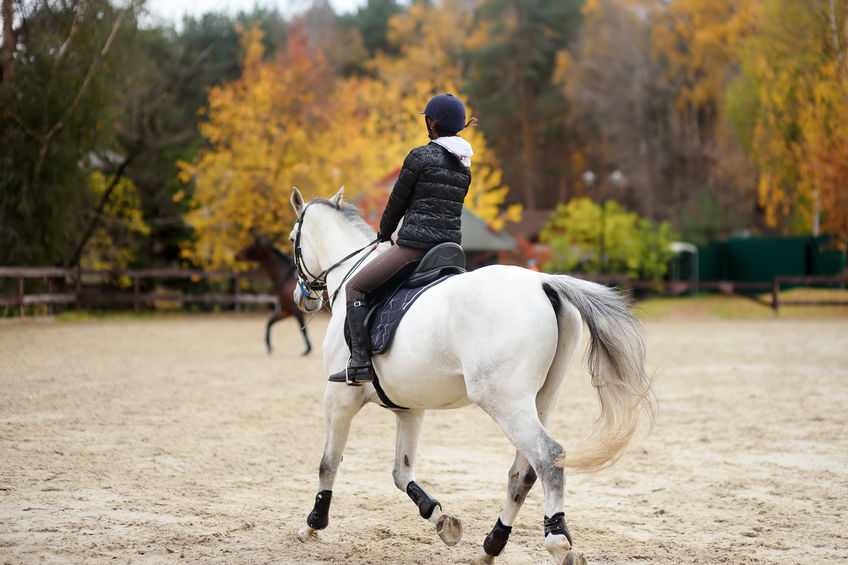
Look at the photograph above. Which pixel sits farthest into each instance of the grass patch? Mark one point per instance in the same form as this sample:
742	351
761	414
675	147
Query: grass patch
729	307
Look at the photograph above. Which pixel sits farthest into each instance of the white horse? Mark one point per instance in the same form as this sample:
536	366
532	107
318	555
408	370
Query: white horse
500	337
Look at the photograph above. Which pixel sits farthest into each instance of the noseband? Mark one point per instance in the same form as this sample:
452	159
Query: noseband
319	282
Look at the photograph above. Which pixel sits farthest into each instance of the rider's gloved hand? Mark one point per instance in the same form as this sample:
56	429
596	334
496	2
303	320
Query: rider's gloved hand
383	237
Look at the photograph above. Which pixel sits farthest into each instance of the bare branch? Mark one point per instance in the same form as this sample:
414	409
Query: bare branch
71	35
45	142
98	213
24	126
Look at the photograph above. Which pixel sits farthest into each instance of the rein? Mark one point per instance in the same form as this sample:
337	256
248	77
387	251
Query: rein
319	281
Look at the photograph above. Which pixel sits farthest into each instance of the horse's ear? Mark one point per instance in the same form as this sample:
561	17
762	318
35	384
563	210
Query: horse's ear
337	199
297	201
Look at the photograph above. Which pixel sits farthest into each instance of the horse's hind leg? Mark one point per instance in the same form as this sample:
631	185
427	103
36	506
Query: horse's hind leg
521	424
521	477
408	433
340	410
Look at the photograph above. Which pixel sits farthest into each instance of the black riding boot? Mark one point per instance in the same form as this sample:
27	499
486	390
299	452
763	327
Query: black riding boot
359	369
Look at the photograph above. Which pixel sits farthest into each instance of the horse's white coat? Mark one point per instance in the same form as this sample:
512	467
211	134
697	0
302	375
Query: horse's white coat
490	337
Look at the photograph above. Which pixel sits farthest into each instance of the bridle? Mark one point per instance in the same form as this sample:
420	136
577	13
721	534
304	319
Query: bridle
312	285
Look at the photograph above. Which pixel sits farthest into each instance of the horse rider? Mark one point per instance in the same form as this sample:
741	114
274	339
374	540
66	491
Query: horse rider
428	195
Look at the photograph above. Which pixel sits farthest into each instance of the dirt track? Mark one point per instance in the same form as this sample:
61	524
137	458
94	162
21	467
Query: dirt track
179	440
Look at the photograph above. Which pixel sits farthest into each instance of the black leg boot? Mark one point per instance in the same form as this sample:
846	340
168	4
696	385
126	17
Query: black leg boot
359	369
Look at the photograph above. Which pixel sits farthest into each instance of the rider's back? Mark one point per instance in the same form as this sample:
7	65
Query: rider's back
439	183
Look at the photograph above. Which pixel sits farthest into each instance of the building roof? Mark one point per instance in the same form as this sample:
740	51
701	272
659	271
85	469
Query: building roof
531	223
478	236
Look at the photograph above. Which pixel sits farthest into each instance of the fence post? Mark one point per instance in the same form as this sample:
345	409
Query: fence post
775	294
136	292
237	284
49	293
78	287
21	296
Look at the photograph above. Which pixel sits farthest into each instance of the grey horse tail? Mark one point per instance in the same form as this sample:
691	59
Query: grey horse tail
616	362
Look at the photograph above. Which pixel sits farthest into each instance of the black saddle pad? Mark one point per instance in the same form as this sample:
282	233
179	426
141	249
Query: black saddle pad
387	312
385	317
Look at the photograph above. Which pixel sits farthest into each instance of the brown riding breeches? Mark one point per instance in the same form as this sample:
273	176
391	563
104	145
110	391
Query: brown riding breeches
382	269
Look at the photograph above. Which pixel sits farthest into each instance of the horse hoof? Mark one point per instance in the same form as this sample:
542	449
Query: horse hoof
306	534
449	529
574	558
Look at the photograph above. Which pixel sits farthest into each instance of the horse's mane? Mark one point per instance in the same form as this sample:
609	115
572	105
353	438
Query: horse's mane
350	213
281	254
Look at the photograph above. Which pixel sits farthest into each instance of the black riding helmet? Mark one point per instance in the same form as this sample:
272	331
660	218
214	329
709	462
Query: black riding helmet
447	112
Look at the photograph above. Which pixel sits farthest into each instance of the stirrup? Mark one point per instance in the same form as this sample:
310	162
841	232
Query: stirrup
346	376
368	377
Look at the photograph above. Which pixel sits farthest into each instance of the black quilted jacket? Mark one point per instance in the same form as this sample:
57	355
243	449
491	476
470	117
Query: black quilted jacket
428	195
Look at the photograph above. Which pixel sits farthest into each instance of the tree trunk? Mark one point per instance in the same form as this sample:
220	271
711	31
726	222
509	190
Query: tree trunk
528	144
7	58
834	37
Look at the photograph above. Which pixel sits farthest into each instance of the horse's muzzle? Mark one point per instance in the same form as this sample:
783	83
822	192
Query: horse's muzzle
306	304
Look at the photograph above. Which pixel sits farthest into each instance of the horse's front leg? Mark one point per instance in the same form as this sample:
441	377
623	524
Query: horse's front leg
521	480
408	434
341	404
278	315
302	325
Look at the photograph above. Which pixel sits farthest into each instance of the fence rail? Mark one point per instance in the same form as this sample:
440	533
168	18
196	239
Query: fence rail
82	296
738	288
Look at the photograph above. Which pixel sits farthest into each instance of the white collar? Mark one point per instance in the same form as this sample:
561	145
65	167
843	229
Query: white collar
457	146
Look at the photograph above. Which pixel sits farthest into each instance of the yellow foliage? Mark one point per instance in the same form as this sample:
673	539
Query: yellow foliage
428	45
801	129
291	122
282	124
121	219
709	32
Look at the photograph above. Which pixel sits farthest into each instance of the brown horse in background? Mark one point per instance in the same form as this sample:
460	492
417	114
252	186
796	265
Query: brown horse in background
280	268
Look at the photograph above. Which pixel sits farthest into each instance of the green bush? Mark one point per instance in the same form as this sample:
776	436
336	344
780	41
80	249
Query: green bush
586	237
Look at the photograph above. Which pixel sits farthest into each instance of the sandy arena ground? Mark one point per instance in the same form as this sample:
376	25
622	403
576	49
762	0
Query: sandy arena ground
179	440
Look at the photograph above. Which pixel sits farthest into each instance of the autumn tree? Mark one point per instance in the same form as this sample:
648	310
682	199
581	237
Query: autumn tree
647	81
790	107
511	52
255	127
424	59
620	105
114	243
283	123
697	43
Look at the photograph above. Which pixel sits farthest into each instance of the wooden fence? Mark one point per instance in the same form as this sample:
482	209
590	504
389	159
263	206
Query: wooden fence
747	289
73	291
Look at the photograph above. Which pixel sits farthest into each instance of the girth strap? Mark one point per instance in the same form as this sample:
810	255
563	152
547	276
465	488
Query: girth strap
381	394
383	398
